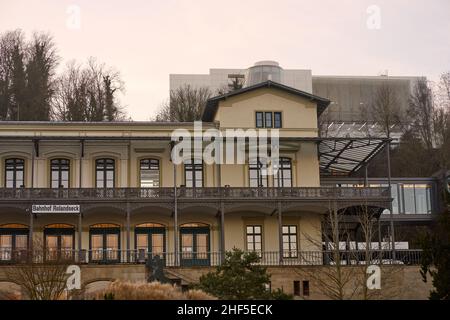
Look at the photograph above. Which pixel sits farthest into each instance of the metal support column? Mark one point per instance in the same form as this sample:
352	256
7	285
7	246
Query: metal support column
222	231
366	176
80	165
280	232
80	236
380	257
30	232
391	214
128	233
33	155
175	214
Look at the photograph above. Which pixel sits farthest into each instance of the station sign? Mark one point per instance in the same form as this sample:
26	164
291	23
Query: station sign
55	208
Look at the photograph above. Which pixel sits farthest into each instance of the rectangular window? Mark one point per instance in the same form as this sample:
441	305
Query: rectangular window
149	173
408	194
306	288
105	171
422	192
259	120
157	243
6	247
268	117
277	122
187	246
283	177
258	177
290	241
254	238
394	194
296	288
14	173
112	246
193	173
142	242
60	169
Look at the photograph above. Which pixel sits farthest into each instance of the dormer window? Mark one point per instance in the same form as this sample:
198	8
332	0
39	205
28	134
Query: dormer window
268	119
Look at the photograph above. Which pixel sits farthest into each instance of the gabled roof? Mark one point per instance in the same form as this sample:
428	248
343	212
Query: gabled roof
213	103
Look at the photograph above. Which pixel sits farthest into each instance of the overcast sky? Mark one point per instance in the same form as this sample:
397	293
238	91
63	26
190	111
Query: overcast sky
148	40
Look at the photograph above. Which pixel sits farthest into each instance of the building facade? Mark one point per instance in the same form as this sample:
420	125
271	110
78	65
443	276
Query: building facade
110	197
111	192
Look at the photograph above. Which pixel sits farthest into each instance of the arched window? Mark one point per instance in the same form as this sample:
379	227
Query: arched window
193	173
59	226
59	241
104	242
149	173
257	173
195	244
105	173
283	176
13	241
60	173
194	225
150	238
14	173
150	225
104	225
13	226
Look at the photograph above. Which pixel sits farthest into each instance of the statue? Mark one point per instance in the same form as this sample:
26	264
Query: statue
155	267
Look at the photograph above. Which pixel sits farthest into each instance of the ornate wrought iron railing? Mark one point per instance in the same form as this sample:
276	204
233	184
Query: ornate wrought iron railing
198	259
194	193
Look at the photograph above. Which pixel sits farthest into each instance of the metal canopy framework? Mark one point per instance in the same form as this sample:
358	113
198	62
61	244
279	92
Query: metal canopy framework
347	155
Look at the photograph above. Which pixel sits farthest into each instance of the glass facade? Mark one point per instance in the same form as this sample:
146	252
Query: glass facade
261	73
409	198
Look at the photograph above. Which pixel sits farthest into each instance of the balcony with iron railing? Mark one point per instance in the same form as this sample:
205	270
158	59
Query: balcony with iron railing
183	193
206	259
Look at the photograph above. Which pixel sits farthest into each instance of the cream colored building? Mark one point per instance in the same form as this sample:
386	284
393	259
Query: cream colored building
128	199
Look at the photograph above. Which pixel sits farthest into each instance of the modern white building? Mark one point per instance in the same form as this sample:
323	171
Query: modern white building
350	96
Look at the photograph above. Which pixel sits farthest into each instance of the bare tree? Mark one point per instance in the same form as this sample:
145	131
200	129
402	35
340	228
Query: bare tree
8	42
368	224
344	275
421	110
42	276
336	281
185	104
441	121
26	76
88	93
385	108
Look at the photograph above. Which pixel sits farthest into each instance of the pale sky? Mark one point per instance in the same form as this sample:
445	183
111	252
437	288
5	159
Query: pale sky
148	40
